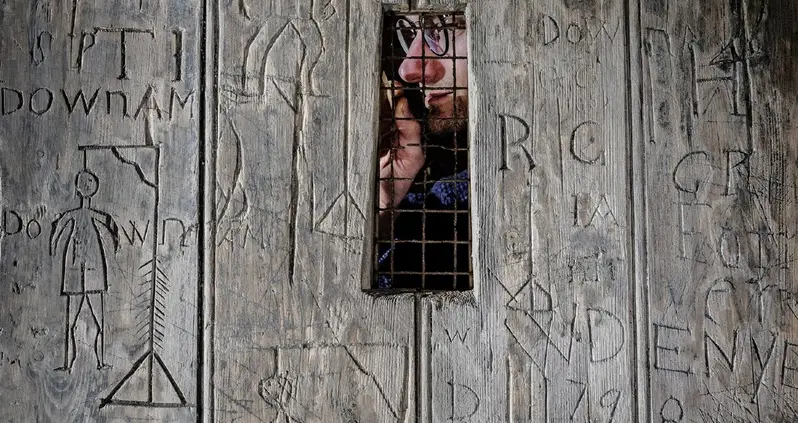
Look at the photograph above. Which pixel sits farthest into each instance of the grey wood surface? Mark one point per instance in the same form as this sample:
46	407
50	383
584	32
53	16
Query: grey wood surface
77	79
297	339
633	196
719	158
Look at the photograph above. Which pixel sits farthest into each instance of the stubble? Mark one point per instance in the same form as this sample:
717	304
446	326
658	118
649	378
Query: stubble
450	117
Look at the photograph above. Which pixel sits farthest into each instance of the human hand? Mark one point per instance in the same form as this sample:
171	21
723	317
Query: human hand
401	163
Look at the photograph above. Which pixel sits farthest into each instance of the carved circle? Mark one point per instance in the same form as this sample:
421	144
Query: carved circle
86	183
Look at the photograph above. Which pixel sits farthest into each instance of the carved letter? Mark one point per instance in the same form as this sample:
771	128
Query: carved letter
33	229
740	160
506	144
469	400
183	231
729	245
40	48
549	29
83	47
602	214
755	353
723	354
6	229
606	335
675	349
457	335
686	161
122	95
145	104
584	142
685	233
569	34
47	105
178	55
4	100
135	233
80	96
671	411
123	44
720	286
182	102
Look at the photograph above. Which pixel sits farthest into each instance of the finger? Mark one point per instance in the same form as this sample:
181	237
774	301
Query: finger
385	159
394	89
408	127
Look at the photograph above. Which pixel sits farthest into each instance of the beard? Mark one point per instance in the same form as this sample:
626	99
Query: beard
449	117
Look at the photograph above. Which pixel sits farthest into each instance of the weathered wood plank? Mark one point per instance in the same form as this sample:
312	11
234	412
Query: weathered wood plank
719	95
296	338
440	5
549	333
99	264
398	5
633	195
639	257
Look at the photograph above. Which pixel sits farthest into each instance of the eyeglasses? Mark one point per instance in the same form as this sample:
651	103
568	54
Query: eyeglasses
434	28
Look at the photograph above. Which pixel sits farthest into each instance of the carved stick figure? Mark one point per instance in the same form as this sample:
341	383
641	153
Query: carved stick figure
84	265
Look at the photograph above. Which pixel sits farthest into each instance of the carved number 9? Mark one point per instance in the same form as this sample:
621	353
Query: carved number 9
610	400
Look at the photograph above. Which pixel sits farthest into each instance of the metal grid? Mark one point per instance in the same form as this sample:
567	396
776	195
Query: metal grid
423	240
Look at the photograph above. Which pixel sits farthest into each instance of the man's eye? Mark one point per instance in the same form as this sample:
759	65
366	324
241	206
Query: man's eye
435	35
437	41
406	32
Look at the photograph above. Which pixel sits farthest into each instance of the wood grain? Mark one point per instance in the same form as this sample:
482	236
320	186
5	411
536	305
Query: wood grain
633	202
550	331
296	337
717	123
126	89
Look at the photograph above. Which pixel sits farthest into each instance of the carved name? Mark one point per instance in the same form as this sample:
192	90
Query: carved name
166	105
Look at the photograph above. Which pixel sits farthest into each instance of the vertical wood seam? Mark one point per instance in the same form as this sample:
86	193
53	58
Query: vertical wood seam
206	243
418	373
638	236
201	194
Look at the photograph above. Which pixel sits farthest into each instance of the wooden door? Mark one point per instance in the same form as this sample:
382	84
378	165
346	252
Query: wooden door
186	192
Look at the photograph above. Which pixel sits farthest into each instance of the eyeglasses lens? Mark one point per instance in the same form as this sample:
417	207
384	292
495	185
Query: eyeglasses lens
406	33
435	35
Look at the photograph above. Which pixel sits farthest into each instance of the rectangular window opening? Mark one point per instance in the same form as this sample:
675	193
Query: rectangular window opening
423	212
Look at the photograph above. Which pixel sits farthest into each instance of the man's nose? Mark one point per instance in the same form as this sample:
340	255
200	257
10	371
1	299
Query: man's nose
413	69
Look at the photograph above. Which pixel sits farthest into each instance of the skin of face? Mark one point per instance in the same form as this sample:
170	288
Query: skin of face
436	75
448	112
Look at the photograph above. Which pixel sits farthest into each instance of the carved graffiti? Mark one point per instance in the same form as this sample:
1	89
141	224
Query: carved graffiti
506	128
465	401
289	392
41	101
584	146
84	270
609	329
124	33
606	334
457	334
84	264
667	349
155	284
551	30
671	411
591	211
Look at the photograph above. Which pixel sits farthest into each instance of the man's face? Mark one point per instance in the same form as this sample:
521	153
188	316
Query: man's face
436	60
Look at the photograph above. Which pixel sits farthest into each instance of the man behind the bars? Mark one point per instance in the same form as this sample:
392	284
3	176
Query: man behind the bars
423	195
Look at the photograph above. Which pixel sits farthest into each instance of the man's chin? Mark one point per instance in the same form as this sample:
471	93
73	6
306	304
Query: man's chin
449	117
